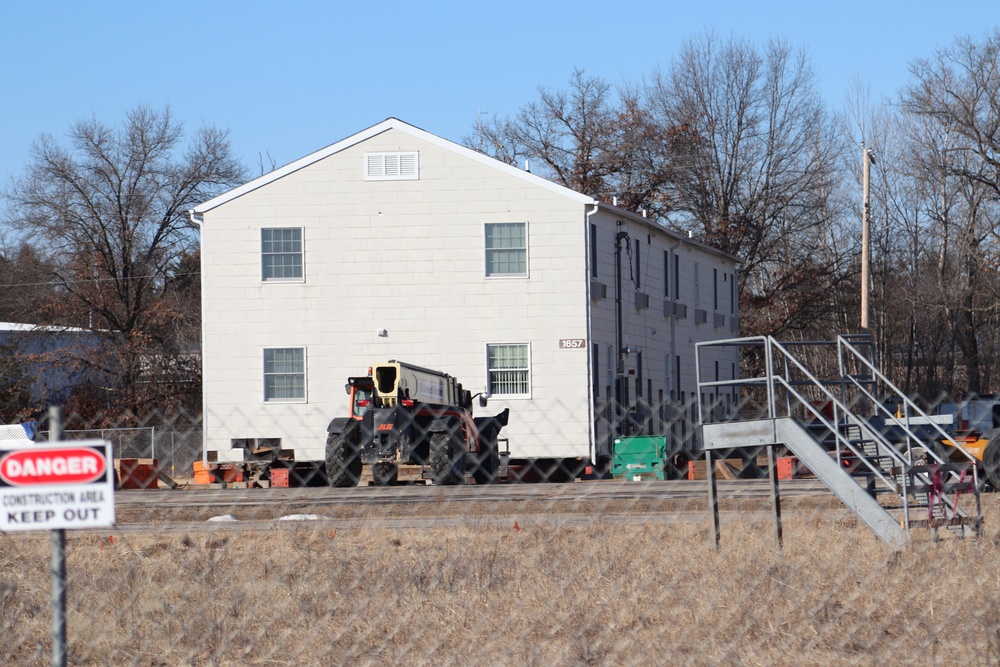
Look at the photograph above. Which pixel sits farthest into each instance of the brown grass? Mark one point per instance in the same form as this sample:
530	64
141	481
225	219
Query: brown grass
609	593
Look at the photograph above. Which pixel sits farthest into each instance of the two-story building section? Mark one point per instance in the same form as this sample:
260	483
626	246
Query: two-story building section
396	244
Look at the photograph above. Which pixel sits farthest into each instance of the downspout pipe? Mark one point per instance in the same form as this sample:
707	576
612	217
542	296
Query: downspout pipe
204	396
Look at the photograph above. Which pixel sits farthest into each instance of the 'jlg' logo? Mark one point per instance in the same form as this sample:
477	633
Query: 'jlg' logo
385	427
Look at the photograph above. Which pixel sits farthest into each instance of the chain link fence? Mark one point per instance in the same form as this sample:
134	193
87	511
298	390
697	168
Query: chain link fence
621	570
174	451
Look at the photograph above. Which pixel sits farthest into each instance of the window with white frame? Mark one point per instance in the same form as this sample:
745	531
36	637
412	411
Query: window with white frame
281	254
508	369
506	249
392	166
284	374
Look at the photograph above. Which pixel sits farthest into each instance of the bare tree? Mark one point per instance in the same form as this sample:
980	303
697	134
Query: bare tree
959	88
26	286
954	116
107	212
15	384
591	138
759	174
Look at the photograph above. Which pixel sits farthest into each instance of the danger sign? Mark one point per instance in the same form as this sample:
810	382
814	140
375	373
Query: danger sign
62	466
54	487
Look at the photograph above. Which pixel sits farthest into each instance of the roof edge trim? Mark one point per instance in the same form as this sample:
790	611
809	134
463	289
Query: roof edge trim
662	229
388	124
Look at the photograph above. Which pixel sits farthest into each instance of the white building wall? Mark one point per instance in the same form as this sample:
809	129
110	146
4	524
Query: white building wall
407	257
661	335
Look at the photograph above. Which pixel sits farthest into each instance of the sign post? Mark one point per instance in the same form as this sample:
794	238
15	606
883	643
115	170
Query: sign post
57	540
57	486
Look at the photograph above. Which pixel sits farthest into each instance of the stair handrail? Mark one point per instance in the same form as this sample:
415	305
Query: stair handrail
910	405
818	414
910	435
863	426
904	427
749	341
769	343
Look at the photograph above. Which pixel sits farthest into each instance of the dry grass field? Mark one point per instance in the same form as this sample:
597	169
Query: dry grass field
534	592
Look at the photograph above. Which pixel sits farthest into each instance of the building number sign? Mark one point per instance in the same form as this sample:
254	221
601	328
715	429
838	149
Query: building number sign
572	343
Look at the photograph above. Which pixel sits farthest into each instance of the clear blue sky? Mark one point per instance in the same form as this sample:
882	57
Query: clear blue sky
289	78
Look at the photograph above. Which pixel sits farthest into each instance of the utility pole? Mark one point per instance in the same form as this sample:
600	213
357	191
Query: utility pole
867	159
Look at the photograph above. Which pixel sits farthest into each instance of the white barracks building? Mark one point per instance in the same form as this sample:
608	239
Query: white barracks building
395	244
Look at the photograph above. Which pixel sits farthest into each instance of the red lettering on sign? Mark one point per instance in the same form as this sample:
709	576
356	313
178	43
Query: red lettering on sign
28	467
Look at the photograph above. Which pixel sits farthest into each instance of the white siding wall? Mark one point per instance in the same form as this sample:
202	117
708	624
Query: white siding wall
661	337
407	257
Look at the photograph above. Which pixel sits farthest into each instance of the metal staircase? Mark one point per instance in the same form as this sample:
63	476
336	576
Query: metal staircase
879	452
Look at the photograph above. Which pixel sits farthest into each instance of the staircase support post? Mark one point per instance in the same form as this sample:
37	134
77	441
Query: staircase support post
772	473
713	497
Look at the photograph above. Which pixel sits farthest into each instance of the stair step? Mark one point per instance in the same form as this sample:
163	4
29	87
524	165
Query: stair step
976	522
946	489
877	460
952	468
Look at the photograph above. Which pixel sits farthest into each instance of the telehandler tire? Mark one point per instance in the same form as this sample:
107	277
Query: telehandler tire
487	465
447	458
385	474
942	451
991	462
343	461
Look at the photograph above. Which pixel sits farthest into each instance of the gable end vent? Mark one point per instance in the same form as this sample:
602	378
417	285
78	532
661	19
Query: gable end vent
392	166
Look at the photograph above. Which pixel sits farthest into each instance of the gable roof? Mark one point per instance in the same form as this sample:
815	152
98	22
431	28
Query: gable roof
384	126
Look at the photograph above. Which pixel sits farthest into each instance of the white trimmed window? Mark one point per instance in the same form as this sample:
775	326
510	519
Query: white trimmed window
284	374
509	369
281	254
506	249
392	166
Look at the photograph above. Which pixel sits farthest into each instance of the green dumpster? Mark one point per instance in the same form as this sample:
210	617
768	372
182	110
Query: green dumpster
639	457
